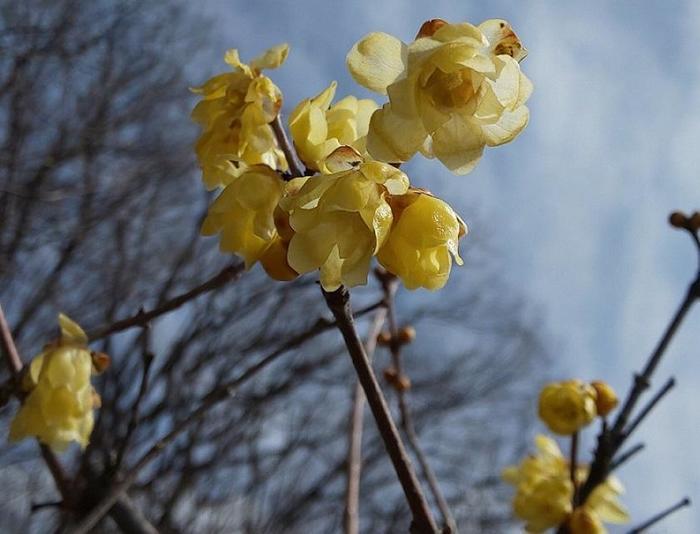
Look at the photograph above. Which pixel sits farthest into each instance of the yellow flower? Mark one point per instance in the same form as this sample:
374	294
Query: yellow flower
583	521
606	398
340	220
454	90
235	114
59	406
319	128
422	240
245	216
544	492
568	406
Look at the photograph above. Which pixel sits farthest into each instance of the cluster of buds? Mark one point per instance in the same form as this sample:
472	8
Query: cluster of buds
566	407
404	336
678	219
452	91
59	403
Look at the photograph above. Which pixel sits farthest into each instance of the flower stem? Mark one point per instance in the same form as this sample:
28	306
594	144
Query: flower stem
339	303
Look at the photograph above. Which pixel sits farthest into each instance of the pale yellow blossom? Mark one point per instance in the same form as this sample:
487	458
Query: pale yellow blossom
58	408
566	407
235	114
422	241
544	493
452	91
318	128
244	215
340	220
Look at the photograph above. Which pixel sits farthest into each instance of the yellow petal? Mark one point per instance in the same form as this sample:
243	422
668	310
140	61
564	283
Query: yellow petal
393	138
458	144
71	331
376	61
510	124
272	58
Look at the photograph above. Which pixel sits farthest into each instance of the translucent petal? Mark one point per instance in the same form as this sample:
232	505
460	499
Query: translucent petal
377	60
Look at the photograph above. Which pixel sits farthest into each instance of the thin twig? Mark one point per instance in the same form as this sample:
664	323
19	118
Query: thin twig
609	441
147	359
339	303
661	515
647	409
216	395
295	167
390	285
354	467
14	362
227	274
625	456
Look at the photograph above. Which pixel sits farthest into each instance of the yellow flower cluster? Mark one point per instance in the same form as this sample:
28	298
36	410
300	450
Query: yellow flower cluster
544	494
319	128
235	114
59	406
566	407
454	90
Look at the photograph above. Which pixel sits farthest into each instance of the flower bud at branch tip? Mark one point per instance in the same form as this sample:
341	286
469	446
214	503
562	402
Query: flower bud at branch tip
606	398
406	335
678	219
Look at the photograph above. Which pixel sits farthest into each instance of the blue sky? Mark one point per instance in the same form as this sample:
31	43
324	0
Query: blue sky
576	207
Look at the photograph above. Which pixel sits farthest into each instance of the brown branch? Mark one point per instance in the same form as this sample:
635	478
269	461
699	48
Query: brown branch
228	274
296	168
625	456
610	440
215	396
573	466
147	359
339	303
354	461
390	286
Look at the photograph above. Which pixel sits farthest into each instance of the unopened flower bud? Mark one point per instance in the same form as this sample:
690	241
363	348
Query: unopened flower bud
694	221
678	219
429	27
568	406
407	334
100	361
384	338
403	383
606	399
390	375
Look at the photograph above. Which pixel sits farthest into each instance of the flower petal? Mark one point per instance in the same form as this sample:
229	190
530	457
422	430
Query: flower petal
377	60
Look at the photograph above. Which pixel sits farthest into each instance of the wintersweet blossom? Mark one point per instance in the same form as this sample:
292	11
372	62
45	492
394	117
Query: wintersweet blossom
544	493
235	115
454	90
422	240
566	407
245	215
59	405
318	128
340	220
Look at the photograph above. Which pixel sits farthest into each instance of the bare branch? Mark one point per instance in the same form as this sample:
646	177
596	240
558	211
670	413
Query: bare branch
354	462
339	303
226	275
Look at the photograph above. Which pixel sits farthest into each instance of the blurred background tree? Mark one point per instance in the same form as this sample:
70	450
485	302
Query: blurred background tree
100	205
